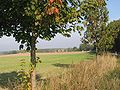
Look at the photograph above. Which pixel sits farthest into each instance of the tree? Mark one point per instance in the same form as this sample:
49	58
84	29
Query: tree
95	16
75	49
85	47
28	20
109	37
114	28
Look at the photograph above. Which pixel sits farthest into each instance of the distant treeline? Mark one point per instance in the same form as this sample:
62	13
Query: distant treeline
12	52
82	47
58	50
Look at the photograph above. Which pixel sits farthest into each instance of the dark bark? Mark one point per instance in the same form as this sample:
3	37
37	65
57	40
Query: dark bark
33	61
96	45
96	52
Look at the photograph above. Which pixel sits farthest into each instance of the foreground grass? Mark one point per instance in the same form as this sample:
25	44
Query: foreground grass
51	65
101	75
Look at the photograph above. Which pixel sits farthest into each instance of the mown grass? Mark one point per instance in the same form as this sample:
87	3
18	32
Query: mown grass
49	61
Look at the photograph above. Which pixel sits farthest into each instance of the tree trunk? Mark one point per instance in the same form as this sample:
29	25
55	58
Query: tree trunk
33	61
96	45
96	53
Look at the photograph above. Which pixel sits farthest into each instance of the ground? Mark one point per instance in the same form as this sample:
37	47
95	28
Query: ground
50	61
57	64
52	64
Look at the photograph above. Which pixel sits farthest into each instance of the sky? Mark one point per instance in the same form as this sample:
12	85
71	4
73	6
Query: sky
8	43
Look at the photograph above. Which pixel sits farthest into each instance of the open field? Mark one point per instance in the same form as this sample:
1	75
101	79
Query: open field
85	74
52	64
50	61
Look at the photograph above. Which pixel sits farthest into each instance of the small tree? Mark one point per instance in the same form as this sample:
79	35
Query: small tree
28	20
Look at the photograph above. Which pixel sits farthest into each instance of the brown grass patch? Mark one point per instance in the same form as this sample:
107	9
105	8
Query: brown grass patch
50	53
88	75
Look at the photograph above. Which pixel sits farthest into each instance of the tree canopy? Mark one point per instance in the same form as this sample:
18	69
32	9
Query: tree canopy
95	16
27	20
114	28
45	18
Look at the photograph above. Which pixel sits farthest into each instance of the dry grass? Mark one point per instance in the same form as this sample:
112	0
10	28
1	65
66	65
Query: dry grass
88	75
100	74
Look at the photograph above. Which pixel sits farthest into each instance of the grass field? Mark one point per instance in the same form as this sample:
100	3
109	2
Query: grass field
101	75
50	62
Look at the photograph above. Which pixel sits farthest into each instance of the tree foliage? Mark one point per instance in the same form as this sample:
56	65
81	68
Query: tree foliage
86	47
27	20
114	28
20	18
95	16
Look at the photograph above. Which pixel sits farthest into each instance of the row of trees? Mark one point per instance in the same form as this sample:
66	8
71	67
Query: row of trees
109	39
104	36
96	18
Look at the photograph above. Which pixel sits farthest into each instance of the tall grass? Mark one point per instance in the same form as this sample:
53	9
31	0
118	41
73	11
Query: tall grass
87	75
100	74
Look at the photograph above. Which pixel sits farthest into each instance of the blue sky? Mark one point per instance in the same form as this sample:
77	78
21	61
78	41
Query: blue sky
60	41
114	9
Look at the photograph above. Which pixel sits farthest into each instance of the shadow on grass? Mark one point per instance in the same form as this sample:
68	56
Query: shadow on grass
92	53
92	56
62	65
7	79
11	80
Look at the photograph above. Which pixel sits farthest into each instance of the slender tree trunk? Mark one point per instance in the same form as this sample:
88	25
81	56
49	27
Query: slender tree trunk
96	46
96	52
33	61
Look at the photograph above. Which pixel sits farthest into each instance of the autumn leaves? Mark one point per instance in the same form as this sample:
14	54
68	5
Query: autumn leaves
52	8
58	1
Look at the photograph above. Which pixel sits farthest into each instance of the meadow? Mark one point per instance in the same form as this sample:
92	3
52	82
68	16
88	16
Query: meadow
63	71
52	64
49	62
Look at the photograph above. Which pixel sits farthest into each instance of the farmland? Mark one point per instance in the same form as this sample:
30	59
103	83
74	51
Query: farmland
84	69
50	62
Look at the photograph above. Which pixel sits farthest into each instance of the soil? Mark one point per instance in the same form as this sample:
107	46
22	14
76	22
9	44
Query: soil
50	53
